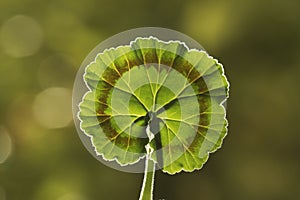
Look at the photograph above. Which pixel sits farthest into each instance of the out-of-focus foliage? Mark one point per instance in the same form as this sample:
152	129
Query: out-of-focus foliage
42	44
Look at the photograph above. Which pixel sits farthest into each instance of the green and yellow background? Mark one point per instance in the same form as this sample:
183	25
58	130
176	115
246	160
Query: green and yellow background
42	45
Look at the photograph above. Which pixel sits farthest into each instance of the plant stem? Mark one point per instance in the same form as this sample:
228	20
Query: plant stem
148	182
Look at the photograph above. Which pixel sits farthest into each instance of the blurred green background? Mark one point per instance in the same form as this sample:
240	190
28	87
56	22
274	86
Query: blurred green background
43	44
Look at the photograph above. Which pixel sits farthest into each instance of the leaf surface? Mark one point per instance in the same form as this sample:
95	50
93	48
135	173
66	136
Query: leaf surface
178	92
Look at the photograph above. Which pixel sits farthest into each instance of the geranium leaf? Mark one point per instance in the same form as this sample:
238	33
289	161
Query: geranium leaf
176	92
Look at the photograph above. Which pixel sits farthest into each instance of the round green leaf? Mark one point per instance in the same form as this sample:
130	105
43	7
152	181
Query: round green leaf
175	93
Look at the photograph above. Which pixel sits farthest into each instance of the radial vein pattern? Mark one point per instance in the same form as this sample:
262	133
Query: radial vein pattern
178	92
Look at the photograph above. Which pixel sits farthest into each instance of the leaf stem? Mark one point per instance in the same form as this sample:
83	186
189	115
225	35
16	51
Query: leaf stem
148	182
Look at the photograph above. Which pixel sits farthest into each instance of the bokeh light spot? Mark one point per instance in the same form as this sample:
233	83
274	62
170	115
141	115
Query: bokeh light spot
5	147
21	36
210	22
52	107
